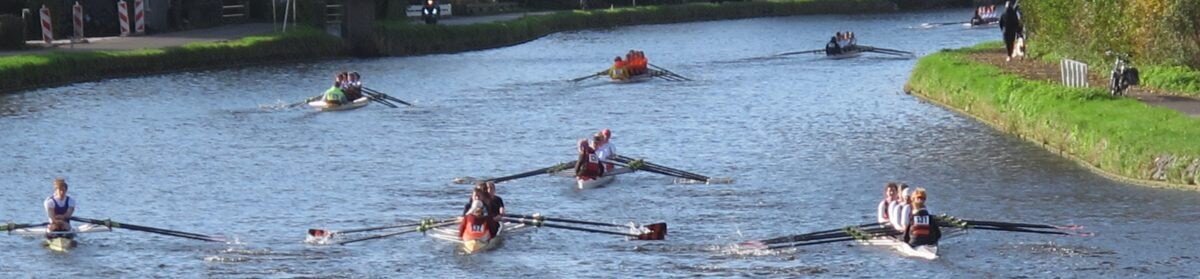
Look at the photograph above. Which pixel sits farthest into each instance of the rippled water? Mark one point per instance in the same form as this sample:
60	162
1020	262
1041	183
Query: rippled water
809	142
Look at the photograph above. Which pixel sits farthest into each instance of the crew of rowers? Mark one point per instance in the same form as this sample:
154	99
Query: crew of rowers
840	42
347	87
595	158
905	211
635	63
482	213
985	15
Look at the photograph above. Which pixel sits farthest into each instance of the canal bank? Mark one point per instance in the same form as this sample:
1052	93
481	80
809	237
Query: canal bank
1120	137
23	72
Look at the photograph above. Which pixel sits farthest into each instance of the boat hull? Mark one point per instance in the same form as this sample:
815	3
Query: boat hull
59	244
928	252
477	245
321	105
635	79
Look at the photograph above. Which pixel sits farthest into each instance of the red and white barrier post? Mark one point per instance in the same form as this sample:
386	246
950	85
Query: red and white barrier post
77	16
139	16
47	27
123	17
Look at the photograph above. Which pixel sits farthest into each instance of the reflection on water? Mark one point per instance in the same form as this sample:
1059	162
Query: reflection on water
809	142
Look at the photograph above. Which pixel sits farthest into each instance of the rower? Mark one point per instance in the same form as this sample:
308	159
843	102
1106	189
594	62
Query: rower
922	228
478	194
587	167
495	206
59	208
903	210
334	96
352	87
618	69
889	197
474	223
606	152
832	48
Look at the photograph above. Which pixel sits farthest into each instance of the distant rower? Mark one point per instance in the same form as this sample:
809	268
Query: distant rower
59	208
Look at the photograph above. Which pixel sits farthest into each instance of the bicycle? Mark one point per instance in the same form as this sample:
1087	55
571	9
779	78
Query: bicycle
1123	75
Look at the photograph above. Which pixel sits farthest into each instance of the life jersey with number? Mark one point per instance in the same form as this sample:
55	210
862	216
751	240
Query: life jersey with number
475	227
922	230
591	167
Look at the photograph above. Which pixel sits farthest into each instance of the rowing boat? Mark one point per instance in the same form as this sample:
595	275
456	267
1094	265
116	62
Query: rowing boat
321	105
847	52
601	181
477	245
635	78
928	252
60	241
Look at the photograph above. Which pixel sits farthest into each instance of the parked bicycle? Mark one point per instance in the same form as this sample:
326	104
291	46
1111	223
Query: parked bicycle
1123	74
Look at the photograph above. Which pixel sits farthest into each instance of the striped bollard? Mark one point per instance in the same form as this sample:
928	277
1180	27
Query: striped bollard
123	17
77	16
47	28
139	16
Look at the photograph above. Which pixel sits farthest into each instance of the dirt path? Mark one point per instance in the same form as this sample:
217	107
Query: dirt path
1041	70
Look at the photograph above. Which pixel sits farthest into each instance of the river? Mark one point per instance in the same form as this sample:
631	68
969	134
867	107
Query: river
808	141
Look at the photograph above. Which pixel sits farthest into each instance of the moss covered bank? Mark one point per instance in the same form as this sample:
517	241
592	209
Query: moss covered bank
1118	136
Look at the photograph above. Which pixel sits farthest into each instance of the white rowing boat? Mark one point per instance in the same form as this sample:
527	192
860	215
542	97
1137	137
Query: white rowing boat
602	180
450	233
60	241
321	105
928	252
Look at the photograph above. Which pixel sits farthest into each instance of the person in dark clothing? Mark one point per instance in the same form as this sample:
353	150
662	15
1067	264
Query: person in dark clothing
1010	25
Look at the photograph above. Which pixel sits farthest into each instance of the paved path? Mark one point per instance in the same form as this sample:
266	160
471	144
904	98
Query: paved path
220	33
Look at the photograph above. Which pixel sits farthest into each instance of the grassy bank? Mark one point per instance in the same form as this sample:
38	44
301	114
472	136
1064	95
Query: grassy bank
1120	136
402	38
36	70
1162	35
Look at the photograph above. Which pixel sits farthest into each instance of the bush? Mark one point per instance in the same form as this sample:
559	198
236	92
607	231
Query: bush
12	32
1154	31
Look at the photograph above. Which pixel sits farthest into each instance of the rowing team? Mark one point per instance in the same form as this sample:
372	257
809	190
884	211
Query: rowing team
594	159
984	15
347	87
481	216
841	41
634	64
905	212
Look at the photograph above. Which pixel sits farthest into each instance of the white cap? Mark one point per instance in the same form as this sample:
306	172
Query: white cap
476	208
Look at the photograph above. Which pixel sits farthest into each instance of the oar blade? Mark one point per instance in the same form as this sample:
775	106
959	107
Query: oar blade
656	231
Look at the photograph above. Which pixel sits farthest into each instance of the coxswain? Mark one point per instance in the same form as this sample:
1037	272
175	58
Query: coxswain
588	166
59	208
606	152
479	193
618	70
1010	25
475	224
889	197
923	228
335	96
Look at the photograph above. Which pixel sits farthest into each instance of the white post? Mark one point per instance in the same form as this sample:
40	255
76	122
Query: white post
47	27
139	16
77	18
123	17
287	7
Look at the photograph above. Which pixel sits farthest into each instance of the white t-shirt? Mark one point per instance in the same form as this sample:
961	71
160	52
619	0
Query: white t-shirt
606	151
51	201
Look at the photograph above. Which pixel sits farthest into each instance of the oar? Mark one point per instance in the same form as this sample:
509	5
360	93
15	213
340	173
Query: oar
546	170
862	235
601	73
324	233
540	218
800	237
801	52
669	72
378	99
944	23
385	96
132	227
886	51
306	101
421	228
1010	229
655	233
642	165
11	226
626	158
1021	225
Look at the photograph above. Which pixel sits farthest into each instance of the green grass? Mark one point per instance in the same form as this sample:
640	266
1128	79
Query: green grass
29	71
1118	135
403	38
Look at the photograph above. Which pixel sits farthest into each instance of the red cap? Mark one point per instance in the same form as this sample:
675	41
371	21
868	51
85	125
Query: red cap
607	133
